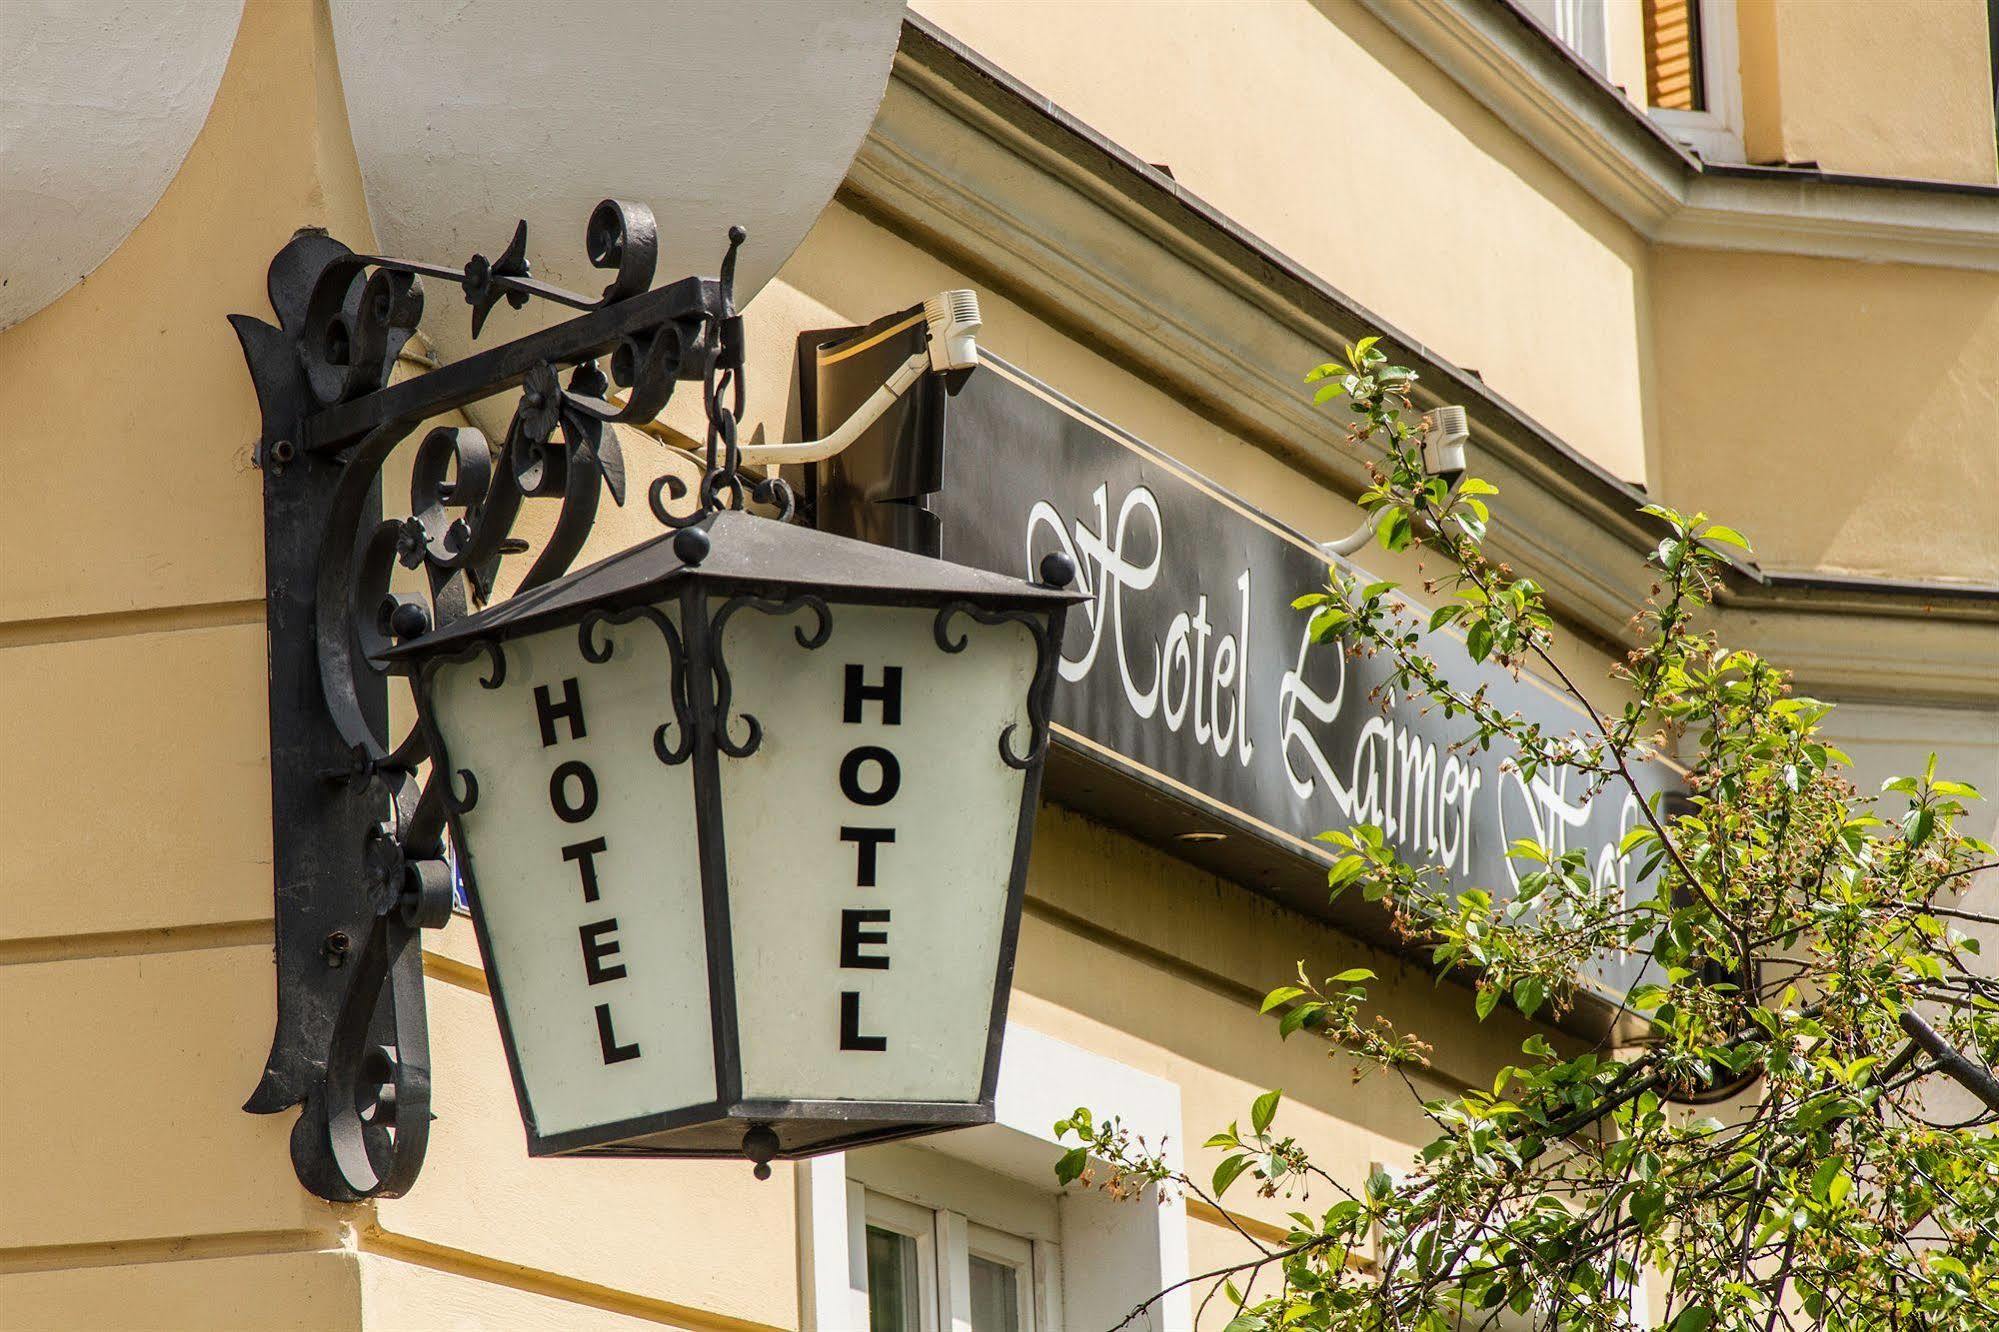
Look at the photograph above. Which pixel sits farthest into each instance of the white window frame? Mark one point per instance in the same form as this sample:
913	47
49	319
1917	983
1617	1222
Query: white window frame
1568	21
882	1212
946	1242
1715	133
1571	20
1037	1265
1107	1249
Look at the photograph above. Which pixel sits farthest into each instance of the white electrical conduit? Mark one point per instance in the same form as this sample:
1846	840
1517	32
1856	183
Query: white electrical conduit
818	450
1355	539
811	450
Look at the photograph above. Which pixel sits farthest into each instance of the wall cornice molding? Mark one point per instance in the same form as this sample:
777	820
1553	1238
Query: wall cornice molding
970	164
1597	137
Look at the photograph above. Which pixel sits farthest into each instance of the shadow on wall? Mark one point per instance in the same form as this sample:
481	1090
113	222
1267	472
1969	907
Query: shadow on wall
1176	961
1845	416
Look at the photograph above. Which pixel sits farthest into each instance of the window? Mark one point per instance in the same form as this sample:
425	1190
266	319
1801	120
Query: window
902	1266
1580	26
958	1269
1693	85
1000	1277
1673	56
966	1231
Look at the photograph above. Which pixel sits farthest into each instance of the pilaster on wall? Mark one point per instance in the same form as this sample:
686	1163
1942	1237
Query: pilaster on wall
136	991
135	898
1837	80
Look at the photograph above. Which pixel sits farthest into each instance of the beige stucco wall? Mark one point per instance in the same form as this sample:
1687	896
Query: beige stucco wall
1847	414
1885	87
135	988
1332	139
1707	376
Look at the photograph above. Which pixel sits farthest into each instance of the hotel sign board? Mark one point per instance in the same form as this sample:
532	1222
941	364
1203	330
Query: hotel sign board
1188	670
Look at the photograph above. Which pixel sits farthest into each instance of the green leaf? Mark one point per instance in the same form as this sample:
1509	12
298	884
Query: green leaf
1661	511
1946	1264
1071	1166
1488	999
1283	994
1644	998
1297	1018
1693	1318
1345	871
1726	535
1264	1109
1226	1172
1530	994
1478	640
1353	974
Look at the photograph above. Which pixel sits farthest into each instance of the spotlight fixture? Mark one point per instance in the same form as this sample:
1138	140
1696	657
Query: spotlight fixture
1443	455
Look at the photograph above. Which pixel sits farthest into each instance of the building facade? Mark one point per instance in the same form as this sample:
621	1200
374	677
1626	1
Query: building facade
1739	256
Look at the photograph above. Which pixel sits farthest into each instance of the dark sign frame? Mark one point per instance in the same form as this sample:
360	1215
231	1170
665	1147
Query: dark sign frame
1189	653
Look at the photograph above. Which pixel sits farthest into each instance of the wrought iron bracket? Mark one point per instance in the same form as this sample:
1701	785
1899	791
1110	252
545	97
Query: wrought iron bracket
360	857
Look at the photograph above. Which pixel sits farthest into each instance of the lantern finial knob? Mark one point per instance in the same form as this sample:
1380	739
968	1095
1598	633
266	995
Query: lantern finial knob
690	546
1057	569
760	1145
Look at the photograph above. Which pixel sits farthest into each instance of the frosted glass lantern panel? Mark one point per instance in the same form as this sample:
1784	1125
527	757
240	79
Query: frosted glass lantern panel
580	846
870	843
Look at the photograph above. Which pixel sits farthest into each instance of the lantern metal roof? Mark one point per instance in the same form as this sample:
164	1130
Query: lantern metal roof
741	549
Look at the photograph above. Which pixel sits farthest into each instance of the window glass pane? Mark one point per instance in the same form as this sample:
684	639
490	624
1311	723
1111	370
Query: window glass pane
1673	75
892	1282
1579	24
995	1296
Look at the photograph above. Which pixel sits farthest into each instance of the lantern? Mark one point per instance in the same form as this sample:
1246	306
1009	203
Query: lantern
743	817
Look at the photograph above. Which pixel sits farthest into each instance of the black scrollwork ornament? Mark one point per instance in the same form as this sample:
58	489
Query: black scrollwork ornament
822	629
362	864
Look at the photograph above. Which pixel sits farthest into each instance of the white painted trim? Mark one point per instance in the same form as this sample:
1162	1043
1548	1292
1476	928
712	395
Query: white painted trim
1043	1080
1599	139
954	1277
832	1247
1716	132
1569	21
1021	1255
1048	1286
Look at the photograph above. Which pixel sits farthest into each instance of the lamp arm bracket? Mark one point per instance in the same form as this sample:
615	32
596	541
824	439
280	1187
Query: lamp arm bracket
361	864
